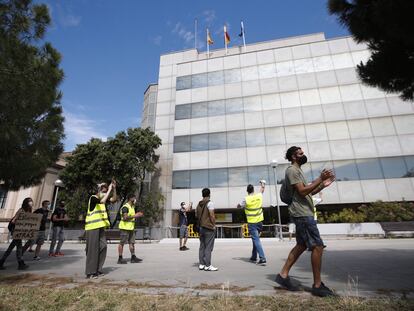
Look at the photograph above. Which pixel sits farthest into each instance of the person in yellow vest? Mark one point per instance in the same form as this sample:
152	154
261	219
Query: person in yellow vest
95	224
252	205
127	229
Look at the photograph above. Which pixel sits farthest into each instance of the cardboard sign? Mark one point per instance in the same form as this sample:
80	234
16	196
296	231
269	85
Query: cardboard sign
27	226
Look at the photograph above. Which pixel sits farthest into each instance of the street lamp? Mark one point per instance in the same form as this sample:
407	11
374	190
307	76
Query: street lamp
273	164
58	184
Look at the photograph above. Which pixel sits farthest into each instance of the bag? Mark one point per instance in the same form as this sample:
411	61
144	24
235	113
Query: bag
196	226
286	192
11	226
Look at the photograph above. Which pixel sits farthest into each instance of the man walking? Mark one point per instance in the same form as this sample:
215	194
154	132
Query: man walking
40	240
301	210
95	224
207	221
59	219
127	229
252	205
185	208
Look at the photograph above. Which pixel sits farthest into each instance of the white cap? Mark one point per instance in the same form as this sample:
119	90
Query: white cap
263	181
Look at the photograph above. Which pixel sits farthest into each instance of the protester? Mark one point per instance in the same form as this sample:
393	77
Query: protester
95	224
252	205
59	219
207	221
301	209
184	209
25	208
40	239
127	229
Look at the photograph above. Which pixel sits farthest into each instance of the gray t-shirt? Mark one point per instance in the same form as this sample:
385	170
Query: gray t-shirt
300	206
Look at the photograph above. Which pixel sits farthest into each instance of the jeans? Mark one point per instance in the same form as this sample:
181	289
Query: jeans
254	230
56	235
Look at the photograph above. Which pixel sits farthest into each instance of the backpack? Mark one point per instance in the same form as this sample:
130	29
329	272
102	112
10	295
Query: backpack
286	192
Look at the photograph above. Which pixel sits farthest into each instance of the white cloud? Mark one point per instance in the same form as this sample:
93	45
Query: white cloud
65	16
157	40
182	32
209	16
79	129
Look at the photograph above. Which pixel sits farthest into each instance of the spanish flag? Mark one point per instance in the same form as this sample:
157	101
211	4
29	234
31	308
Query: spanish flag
209	40
226	36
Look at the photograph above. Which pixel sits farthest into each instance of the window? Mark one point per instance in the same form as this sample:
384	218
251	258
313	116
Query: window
252	103
199	142
369	169
183	83
236	139
318	167
199	80
218	177
256	173
280	171
215	78
182	143
234	105
238	177
217	141
216	108
232	76
199	110
345	170
393	167
409	160
267	71
181	180
183	112
199	178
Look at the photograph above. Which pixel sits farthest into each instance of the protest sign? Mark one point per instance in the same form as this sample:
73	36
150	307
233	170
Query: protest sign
27	226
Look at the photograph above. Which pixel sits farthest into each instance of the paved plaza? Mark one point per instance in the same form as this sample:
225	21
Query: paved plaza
362	267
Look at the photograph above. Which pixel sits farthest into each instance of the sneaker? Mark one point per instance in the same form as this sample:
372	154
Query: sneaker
22	266
182	248
322	291
286	283
52	255
100	273
185	248
253	260
122	261
37	258
135	259
59	254
210	268
201	267
92	276
261	262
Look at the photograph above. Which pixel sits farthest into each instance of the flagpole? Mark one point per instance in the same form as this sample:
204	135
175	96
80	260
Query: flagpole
225	40
208	45
244	37
195	33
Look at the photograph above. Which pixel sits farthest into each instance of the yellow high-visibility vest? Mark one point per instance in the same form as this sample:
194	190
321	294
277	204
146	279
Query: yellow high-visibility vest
130	223
98	218
253	209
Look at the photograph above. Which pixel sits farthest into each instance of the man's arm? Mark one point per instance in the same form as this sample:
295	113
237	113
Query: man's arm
114	196
305	190
323	184
106	196
262	184
212	216
190	207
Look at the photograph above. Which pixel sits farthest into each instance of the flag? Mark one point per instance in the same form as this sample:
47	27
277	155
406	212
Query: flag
209	40
226	36
241	34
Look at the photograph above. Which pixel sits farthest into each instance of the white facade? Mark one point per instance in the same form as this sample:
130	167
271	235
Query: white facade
223	119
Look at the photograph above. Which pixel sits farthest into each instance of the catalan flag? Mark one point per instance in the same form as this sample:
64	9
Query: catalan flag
209	40
226	36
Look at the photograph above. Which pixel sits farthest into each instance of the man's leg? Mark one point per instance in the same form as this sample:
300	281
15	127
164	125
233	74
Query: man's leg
92	251
209	245
292	258
256	240
181	242
120	249
202	248
37	251
102	249
132	249
8	252
316	259
53	241
61	238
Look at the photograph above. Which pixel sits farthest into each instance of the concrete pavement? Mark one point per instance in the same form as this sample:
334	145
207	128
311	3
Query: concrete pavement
353	267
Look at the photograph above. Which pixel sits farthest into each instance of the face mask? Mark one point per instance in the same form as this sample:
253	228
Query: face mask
101	195
302	160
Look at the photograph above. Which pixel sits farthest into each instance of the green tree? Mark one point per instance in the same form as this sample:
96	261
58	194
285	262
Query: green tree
386	26
31	122
128	158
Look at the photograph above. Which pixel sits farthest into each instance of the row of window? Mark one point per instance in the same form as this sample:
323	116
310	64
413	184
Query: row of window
272	70
361	169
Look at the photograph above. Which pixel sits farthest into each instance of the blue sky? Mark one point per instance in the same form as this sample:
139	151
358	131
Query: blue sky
111	48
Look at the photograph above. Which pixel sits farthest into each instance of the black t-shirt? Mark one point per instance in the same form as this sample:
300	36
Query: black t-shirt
94	200
60	212
45	213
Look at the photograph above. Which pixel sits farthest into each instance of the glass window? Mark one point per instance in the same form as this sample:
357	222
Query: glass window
275	136
232	75
409	161
183	83
345	170
215	78
369	169
307	171
199	178
182	143
216	108
238	177
181	180
267	71
280	171
199	142
252	103
249	73
217	141
183	112
199	80
257	173
199	110
234	105
393	167
255	138
236	139
318	167
218	177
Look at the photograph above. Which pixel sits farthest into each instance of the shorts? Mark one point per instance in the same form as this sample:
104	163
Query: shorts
41	235
183	231
127	236
307	232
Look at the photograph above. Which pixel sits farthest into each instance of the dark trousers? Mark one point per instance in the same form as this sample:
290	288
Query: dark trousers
207	237
19	250
95	250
